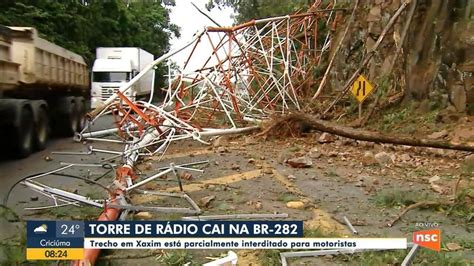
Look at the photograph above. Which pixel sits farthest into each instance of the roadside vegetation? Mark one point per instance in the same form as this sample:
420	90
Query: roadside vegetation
83	25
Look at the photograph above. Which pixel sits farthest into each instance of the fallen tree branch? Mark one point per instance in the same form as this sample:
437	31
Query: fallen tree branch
456	188
369	55
328	69
303	122
411	207
397	53
206	15
286	126
411	12
377	137
428	204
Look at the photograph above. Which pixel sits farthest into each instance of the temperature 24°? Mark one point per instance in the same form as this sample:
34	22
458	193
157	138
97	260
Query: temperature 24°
69	229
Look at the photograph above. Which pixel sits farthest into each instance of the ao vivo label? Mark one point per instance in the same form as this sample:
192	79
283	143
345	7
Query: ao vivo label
428	238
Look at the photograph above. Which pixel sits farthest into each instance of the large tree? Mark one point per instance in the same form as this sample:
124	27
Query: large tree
83	25
254	9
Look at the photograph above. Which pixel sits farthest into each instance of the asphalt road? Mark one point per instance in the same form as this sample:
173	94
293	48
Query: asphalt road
15	170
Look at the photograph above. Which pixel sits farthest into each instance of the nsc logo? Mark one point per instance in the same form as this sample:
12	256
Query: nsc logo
428	238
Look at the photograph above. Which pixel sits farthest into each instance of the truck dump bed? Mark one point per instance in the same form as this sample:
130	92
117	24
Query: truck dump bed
9	71
44	63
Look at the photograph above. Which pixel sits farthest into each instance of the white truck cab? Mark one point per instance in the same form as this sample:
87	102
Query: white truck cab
115	66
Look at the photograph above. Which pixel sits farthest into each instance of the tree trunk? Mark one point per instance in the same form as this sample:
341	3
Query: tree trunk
429	42
294	124
377	137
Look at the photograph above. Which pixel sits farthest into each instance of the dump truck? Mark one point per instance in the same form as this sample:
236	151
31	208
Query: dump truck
114	66
43	90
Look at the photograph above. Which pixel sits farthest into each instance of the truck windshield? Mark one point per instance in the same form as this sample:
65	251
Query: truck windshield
111	76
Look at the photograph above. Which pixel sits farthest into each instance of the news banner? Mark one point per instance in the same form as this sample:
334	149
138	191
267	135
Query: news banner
67	240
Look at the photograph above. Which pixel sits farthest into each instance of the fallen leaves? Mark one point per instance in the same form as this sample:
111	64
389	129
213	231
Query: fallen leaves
435	185
368	159
326	138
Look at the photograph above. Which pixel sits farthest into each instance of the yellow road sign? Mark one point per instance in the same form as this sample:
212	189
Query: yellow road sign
361	88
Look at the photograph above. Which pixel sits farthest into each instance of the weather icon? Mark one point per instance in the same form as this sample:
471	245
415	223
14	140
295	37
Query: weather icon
41	229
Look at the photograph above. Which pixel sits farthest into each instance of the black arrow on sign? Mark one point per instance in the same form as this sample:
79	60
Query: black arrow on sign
361	87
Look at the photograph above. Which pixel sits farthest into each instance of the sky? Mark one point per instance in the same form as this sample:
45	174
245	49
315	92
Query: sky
185	15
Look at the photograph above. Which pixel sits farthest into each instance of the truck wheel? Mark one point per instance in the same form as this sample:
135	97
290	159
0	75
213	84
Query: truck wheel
81	112
41	129
24	134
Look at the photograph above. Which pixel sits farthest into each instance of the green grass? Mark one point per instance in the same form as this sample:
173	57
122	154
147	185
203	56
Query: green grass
420	171
13	251
294	149
383	86
463	209
15	254
76	213
332	174
223	206
399	198
171	216
94	195
408	121
286	197
467	169
459	239
8	214
270	257
470	108
317	232
430	118
389	120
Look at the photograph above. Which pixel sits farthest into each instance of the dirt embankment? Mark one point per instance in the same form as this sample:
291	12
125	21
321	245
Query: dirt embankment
424	60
